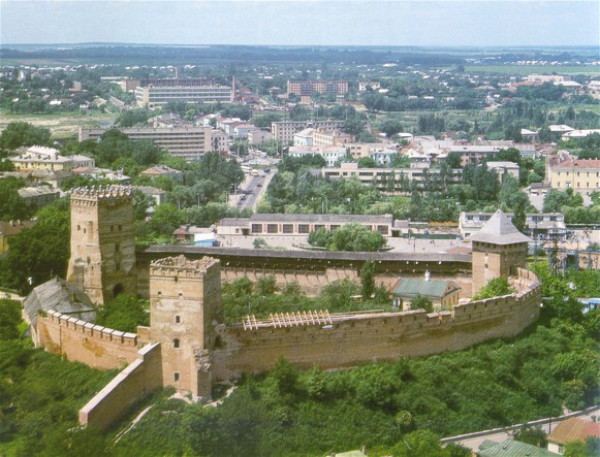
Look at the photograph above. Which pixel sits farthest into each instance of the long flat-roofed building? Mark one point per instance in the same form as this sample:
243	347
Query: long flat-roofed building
394	179
189	143
153	93
302	224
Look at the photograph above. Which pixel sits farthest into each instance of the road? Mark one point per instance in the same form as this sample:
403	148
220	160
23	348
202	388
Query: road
474	440
252	189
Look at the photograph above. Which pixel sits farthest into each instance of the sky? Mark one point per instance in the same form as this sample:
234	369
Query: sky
477	23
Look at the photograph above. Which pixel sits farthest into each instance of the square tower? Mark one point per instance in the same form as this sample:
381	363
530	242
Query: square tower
497	248
185	307
102	258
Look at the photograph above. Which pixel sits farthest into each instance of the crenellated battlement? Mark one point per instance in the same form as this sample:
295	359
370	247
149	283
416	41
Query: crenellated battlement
101	194
349	339
93	330
181	266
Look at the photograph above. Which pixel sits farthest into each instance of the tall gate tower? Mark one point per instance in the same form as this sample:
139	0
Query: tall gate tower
102	258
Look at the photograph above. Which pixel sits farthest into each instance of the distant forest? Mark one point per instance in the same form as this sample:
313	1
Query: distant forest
317	54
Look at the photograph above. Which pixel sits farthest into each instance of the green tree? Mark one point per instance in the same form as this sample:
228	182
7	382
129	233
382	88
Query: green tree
17	134
12	205
367	279
532	435
266	285
422	302
123	313
10	318
37	254
494	288
591	448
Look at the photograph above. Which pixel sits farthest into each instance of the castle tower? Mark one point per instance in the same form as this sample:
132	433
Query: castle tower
185	306
102	259
497	248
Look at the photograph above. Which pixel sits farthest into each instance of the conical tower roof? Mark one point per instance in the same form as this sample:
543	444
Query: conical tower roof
499	229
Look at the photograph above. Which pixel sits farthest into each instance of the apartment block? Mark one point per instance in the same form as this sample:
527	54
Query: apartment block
395	179
581	175
189	143
152	93
284	131
309	87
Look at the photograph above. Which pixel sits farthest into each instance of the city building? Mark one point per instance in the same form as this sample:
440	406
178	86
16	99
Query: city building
548	224
302	224
580	133
164	171
189	143
284	131
8	229
323	137
158	195
331	154
309	87
39	196
575	429
581	175
511	448
394	179
504	169
304	137
153	93
257	136
363	86
442	293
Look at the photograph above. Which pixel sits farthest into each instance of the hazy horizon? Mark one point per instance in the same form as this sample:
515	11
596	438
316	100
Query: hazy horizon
475	23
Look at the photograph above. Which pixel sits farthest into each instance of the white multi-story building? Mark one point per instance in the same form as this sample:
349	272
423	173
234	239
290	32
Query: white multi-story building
157	92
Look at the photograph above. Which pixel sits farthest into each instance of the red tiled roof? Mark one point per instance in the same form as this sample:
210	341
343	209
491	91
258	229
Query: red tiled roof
574	429
580	163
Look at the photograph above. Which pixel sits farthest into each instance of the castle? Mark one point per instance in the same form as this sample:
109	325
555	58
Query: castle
189	347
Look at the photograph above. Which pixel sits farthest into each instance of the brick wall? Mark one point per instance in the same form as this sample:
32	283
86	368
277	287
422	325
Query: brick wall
354	339
80	341
137	380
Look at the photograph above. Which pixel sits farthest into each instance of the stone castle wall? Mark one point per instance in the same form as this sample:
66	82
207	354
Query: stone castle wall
137	380
80	341
359	338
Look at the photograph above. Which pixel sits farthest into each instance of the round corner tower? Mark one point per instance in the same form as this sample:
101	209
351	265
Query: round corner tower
497	248
102	258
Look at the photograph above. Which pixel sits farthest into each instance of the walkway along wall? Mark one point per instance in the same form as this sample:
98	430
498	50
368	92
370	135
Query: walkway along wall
80	341
353	339
137	380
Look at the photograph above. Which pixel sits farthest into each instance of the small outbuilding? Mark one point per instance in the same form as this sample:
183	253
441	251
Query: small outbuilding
60	296
571	430
442	293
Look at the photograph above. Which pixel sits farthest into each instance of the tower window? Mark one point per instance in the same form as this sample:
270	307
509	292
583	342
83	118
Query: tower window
178	319
120	228
118	266
176	343
176	377
117	247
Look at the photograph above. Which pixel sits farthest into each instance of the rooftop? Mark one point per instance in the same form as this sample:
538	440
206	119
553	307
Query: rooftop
500	230
433	288
574	429
61	296
579	163
324	218
511	448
